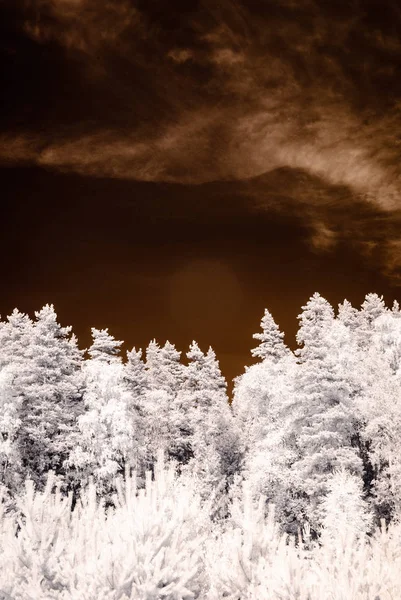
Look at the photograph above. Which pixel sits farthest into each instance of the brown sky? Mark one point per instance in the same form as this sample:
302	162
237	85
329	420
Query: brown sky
170	169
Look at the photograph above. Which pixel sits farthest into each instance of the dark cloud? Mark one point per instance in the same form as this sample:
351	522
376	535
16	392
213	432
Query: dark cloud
204	91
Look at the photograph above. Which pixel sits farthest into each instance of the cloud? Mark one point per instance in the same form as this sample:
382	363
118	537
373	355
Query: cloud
271	98
82	25
323	238
180	55
229	92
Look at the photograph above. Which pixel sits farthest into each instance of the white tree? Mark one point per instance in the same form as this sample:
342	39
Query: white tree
11	473
372	307
136	379
105	347
15	337
344	510
164	368
213	436
254	390
262	396
324	414
271	345
165	414
106	441
49	383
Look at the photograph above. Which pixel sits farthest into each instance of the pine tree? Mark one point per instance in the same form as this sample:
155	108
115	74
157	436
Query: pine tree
163	406
104	346
136	379
271	345
212	435
106	442
135	373
15	337
261	399
324	415
254	390
372	308
49	383
348	315
11	473
164	367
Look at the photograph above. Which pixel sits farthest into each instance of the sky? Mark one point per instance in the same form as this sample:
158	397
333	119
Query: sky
170	169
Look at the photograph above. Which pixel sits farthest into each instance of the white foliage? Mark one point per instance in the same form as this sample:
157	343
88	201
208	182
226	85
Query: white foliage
106	439
148	547
344	510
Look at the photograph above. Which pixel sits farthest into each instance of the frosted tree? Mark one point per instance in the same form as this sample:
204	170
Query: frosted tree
380	407
105	347
348	315
253	390
261	407
136	379
212	434
386	338
344	512
135	373
271	345
11	472
15	337
164	411
49	384
372	307
324	414
164	368
106	439
371	364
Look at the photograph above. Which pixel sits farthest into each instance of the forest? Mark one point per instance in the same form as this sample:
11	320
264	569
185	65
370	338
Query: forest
137	477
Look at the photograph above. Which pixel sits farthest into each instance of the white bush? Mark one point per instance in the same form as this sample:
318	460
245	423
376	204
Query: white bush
250	560
148	546
158	543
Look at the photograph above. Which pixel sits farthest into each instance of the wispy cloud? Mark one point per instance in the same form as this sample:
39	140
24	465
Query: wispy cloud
84	25
234	92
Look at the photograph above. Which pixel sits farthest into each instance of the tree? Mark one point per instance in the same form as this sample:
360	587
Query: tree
136	379
271	345
104	346
15	337
106	442
255	389
348	315
135	373
50	387
165	414
345	514
372	307
164	368
11	473
261	407
323	413
212	435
